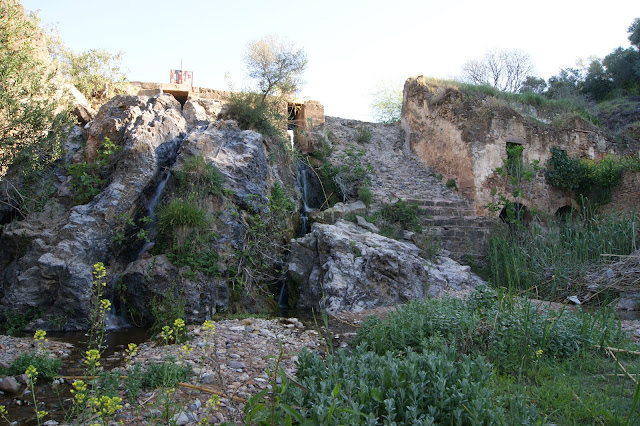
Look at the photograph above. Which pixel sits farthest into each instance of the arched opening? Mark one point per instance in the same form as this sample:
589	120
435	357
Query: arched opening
566	213
180	95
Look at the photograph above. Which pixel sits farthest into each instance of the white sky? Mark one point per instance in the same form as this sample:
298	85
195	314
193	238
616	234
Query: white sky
352	45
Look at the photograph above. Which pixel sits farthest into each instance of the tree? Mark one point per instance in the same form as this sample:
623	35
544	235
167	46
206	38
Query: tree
276	64
97	73
387	103
533	84
634	33
30	123
503	69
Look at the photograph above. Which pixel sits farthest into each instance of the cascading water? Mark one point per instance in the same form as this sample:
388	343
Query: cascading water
303	184
151	211
115	318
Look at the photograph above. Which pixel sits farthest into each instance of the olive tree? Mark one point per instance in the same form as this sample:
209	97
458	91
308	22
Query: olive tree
387	103
276	65
503	69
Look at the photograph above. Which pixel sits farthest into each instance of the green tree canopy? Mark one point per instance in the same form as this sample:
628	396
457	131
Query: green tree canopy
276	65
387	103
30	117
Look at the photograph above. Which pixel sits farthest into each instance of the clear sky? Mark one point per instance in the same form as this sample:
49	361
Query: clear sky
352	45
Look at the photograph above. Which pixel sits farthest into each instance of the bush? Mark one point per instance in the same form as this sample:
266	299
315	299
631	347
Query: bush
590	179
365	194
429	387
199	176
451	183
363	134
181	214
47	367
251	111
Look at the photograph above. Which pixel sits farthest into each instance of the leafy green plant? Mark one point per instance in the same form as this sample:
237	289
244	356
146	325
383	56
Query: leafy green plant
47	367
251	111
593	180
199	176
89	178
451	183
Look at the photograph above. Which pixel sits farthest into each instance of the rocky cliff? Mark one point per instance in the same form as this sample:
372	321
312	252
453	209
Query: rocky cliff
50	255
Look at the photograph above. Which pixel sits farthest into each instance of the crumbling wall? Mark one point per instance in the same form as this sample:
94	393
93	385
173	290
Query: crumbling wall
464	137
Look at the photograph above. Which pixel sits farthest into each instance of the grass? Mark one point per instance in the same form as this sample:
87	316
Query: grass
548	260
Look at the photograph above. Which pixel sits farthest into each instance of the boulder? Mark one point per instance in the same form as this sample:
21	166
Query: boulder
9	384
81	107
338	211
344	267
240	155
201	112
157	278
353	269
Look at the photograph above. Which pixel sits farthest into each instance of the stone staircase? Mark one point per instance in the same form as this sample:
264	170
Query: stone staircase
399	174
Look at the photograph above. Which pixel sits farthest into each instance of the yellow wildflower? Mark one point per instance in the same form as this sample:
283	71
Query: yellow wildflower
178	323
213	402
40	335
209	327
32	373
539	353
131	350
41	414
187	348
92	357
105	304
3	410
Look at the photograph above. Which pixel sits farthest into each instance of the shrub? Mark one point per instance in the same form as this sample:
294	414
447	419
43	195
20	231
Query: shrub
363	134
365	194
587	178
89	178
181	214
451	183
251	111
428	387
199	176
46	367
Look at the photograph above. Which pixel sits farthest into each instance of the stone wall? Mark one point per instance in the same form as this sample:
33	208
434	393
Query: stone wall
464	137
626	197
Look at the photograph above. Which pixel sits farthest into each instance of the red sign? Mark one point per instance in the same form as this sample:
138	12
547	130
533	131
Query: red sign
181	77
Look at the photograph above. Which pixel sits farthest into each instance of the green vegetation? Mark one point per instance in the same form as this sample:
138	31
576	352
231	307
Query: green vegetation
251	111
451	183
588	179
89	178
184	227
495	359
363	134
16	321
386	104
550	261
31	124
260	260
48	368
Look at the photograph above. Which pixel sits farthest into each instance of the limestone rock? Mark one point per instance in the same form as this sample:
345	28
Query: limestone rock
240	155
157	277
201	112
362	222
338	211
9	384
354	269
448	276
81	107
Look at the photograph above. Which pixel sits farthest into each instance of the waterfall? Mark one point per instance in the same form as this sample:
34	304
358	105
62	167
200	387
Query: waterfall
151	211
303	184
